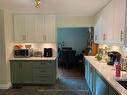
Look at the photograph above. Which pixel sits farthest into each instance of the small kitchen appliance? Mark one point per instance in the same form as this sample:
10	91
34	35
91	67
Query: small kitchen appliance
47	52
23	53
113	56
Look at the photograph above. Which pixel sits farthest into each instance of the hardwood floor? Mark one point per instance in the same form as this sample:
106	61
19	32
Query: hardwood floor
71	72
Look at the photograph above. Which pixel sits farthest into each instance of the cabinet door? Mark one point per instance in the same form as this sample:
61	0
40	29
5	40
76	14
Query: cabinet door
91	83
39	28
15	72
50	33
107	24
119	20
19	28
98	29
87	71
30	28
101	86
35	28
26	71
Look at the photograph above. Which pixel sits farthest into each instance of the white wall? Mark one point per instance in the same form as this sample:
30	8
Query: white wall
74	21
6	45
2	50
8	26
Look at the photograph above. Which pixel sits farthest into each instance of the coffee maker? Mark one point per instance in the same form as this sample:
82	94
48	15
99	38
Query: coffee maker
48	52
112	56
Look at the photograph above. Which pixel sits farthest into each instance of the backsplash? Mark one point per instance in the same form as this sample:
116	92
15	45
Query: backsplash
41	46
120	49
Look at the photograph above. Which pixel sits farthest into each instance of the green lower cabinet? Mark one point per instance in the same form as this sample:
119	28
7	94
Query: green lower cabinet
26	74
21	72
16	72
44	72
33	72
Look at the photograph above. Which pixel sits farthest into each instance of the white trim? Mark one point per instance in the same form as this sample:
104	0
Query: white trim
5	86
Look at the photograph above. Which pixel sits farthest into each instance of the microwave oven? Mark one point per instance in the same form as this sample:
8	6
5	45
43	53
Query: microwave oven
23	53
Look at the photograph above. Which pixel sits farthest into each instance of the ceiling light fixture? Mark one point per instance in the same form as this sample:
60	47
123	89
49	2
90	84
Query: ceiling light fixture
37	3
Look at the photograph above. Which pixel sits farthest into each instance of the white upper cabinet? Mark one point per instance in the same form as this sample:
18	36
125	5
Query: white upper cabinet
39	29
112	23
107	24
19	28
119	20
30	28
98	29
34	28
104	25
50	34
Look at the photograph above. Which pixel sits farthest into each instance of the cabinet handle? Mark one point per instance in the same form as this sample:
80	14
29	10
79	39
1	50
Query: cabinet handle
104	37
20	65
122	35
24	37
42	71
45	37
90	69
95	37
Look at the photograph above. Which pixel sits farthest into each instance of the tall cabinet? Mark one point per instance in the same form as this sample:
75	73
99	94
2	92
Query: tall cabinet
34	28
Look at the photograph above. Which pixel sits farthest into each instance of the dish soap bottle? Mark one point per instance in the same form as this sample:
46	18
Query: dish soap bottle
118	67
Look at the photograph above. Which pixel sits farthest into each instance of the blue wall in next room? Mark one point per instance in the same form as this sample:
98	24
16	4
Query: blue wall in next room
73	37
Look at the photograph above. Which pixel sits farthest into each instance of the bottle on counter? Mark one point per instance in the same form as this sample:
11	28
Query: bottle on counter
118	67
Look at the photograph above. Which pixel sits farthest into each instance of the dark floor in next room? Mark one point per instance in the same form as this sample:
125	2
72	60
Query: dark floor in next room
70	82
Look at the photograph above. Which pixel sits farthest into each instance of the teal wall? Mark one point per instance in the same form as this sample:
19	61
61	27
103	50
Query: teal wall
73	37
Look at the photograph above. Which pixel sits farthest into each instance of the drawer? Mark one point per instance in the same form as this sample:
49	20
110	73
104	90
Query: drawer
43	65
43	79
41	72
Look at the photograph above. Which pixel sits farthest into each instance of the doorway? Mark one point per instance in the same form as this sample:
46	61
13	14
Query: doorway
71	42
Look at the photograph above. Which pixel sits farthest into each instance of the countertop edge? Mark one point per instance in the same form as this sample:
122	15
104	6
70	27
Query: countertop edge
34	58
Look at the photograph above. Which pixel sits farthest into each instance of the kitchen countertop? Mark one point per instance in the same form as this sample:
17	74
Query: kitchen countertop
34	58
108	73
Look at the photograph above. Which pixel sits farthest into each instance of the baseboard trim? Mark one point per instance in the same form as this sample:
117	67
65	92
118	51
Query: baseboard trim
5	86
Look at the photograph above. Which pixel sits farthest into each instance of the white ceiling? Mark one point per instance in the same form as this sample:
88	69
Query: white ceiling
56	7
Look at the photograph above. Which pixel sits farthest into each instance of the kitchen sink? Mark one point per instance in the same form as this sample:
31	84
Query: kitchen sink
122	83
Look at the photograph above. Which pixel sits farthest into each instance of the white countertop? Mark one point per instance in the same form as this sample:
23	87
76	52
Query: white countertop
34	58
108	72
